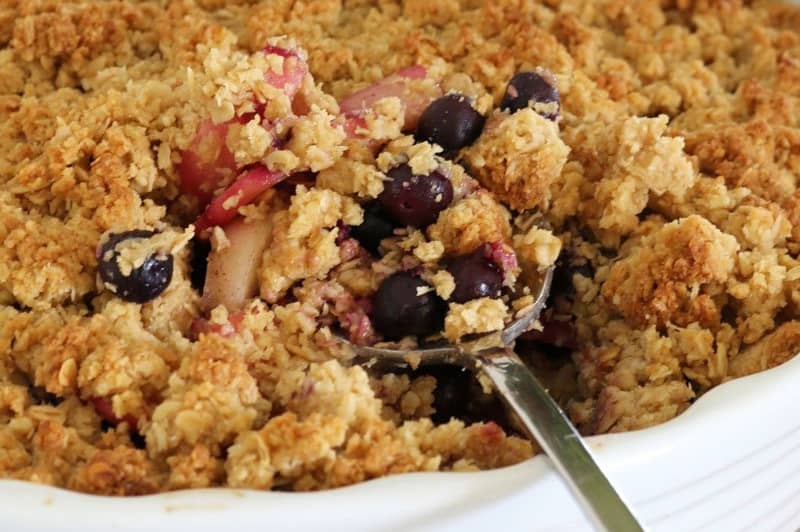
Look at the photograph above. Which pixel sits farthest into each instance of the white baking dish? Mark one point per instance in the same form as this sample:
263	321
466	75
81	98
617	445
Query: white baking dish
731	462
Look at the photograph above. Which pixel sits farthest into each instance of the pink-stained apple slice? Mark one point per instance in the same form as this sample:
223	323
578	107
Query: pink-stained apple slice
392	85
226	330
404	85
207	161
294	71
352	126
244	190
232	274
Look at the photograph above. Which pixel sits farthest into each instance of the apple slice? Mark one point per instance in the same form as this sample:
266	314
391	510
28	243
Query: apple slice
226	330
232	274
351	125
415	96
245	189
294	72
207	161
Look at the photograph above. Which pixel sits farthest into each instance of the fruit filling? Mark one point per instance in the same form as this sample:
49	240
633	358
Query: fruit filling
421	286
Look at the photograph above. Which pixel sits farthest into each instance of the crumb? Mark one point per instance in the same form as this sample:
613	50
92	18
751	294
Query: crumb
665	192
518	157
477	316
471	222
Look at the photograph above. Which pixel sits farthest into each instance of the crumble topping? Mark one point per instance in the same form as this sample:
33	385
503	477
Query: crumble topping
665	192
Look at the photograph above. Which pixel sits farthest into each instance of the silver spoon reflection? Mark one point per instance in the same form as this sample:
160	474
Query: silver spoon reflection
538	413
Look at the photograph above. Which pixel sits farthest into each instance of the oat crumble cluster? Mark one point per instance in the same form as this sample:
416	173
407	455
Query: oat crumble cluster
197	196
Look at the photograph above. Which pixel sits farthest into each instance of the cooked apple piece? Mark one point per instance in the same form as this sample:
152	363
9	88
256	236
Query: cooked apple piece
226	330
245	189
403	84
207	162
232	274
294	70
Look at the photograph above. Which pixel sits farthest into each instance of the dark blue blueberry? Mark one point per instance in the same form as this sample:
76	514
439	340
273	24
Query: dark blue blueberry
399	310
458	394
451	122
476	275
145	282
453	393
373	229
415	200
526	88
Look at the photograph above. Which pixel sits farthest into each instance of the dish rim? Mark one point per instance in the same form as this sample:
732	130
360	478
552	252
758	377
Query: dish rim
617	453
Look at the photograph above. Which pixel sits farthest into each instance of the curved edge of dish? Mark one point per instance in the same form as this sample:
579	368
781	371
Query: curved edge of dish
681	474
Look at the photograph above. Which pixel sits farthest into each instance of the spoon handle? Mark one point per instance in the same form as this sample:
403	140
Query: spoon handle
551	428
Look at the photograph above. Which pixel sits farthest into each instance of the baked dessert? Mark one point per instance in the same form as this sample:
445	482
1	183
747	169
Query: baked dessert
198	196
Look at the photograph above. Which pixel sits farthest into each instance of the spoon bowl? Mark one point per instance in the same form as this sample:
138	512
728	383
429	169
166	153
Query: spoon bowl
462	354
540	416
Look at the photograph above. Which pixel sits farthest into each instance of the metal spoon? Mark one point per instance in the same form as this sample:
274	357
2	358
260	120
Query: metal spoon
538	413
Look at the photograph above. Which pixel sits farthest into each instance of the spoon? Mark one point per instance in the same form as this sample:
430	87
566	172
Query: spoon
541	417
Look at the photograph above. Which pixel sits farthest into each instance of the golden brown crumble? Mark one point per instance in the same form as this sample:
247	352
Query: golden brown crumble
669	184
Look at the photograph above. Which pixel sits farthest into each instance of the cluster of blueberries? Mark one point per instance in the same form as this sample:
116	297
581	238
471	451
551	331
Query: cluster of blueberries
407	201
405	305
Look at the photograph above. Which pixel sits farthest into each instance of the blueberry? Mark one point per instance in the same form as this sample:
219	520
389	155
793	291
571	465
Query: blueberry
476	275
458	394
415	200
555	333
373	229
530	87
453	392
451	122
145	282
400	310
